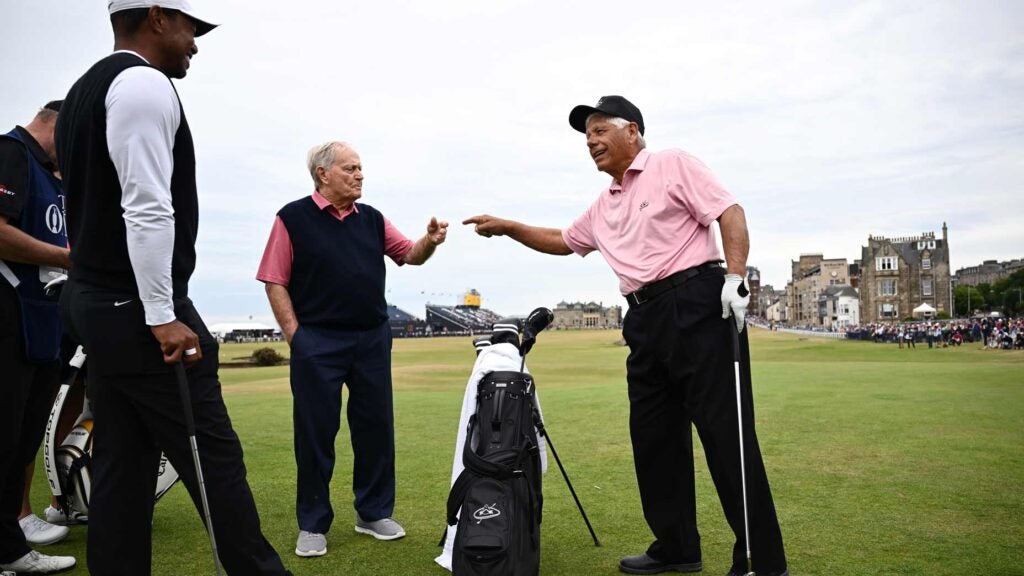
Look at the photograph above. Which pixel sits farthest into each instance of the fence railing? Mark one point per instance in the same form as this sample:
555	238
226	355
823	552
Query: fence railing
802	332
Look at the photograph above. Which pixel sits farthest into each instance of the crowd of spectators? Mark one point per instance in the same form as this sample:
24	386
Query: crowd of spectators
995	333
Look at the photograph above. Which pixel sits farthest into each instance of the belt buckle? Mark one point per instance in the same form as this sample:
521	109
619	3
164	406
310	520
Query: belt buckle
637	297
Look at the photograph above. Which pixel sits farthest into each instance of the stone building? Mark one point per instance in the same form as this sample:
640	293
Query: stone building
812	274
839	307
988	272
900	274
590	315
754	283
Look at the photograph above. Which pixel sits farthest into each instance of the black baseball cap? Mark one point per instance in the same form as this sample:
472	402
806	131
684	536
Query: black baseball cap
616	106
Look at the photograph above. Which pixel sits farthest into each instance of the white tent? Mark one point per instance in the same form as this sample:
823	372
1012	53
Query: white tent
924	310
242	331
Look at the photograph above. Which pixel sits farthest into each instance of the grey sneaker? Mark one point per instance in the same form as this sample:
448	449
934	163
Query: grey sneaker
39	532
383	529
36	563
310	544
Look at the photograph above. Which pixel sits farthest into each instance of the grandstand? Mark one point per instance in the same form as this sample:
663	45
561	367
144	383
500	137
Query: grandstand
404	324
461	318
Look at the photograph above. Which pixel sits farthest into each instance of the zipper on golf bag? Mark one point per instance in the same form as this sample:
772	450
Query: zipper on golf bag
497	499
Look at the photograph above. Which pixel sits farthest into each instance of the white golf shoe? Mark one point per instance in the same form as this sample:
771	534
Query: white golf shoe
39	532
36	563
58	517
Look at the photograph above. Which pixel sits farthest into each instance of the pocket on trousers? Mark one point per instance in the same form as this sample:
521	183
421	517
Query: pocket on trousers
116	338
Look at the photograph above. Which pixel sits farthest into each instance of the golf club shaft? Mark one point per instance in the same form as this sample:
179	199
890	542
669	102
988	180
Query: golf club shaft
543	432
734	330
190	427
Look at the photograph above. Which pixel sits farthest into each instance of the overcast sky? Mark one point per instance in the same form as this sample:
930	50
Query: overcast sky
829	121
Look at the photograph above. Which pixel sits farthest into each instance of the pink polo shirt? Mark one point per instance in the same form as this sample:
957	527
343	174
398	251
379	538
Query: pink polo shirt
276	266
656	222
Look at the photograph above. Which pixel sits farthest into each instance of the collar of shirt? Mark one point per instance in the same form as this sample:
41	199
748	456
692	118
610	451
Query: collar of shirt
637	165
131	52
325	204
37	151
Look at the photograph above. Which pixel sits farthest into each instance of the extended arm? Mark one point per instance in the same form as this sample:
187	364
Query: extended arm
284	312
546	240
16	246
425	246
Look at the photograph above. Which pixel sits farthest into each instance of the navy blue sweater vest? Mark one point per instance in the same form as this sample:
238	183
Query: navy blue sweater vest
96	228
338	269
43	219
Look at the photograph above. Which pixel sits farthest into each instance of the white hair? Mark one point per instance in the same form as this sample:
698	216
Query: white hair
322	156
618	123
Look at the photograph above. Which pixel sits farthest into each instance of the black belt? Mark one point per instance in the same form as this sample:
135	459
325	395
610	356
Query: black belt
658	287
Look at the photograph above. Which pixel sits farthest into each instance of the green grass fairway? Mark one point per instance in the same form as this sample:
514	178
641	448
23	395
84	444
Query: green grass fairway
882	461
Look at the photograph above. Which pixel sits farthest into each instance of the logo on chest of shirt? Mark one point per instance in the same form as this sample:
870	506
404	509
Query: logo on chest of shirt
4	191
54	219
644	204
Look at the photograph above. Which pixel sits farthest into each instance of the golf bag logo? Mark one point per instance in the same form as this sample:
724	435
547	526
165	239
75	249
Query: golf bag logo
486	512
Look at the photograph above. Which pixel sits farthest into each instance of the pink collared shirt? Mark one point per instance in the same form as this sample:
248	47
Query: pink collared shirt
656	222
276	265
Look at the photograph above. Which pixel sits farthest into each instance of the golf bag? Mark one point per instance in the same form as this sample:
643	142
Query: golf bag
496	500
73	466
68	465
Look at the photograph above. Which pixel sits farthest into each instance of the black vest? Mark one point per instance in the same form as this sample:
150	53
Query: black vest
96	226
337	278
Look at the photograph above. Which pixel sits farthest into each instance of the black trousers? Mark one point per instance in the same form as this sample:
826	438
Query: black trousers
680	371
137	414
26	392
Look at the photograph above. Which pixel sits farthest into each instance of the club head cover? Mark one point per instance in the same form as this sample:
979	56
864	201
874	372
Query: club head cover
505	331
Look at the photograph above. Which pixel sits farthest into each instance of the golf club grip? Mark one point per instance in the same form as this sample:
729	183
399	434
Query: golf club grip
186	398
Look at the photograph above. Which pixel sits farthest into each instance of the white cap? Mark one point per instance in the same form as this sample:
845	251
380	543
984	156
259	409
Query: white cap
183	6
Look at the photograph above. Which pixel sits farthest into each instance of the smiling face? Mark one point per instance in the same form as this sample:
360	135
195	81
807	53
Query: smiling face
178	43
612	148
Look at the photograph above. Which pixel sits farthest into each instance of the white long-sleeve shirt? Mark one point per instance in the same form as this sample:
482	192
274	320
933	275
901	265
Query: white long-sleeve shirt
143	115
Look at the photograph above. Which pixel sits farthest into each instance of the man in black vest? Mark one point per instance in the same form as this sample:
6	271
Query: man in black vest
33	250
128	164
324	274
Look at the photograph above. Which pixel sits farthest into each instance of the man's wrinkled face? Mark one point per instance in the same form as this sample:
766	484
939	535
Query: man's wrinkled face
343	181
609	145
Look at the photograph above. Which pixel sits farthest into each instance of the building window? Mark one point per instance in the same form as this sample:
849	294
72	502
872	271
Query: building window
926	286
885	263
887	310
926	263
887	287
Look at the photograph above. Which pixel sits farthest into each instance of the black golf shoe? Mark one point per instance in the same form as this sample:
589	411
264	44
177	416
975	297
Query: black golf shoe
644	564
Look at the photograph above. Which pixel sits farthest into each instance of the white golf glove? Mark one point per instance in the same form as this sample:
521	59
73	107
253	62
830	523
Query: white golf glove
735	298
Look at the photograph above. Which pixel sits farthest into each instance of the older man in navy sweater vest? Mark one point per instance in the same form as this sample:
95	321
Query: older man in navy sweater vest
324	273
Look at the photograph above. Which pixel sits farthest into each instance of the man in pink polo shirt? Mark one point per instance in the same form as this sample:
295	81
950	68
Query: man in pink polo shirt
652	225
324	274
